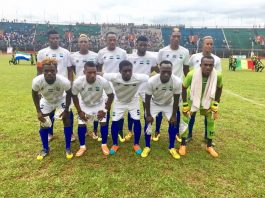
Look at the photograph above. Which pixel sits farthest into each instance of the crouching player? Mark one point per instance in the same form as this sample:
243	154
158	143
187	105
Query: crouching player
164	89
52	87
205	91
90	89
126	86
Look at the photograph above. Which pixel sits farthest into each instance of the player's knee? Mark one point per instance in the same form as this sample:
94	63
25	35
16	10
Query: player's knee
66	122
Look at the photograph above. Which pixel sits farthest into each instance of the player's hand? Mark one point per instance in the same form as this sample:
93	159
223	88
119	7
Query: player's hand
173	120
64	114
149	119
101	115
82	116
41	117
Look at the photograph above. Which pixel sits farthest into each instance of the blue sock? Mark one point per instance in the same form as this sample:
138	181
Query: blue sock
67	135
71	120
137	131
82	135
114	131
130	122
52	119
178	121
44	138
104	133
205	129
159	118
147	137
172	131
191	124
95	126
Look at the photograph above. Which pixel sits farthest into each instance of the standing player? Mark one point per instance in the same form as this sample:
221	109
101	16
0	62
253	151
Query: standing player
205	85
78	60
126	86
194	62
143	63
52	87
164	89
64	68
109	59
178	56
90	88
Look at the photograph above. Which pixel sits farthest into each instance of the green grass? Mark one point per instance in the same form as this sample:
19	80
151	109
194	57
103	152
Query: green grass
238	172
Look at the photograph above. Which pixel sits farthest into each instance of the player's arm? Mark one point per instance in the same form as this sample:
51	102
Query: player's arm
149	118
109	101
70	74
36	100
173	119
186	69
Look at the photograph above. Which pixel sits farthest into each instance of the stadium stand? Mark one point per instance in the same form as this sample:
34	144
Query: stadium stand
28	36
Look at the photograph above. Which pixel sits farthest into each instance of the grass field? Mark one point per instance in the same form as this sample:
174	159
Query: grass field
238	172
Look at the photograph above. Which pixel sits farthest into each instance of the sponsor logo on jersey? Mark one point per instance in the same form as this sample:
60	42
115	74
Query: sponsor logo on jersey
180	56
61	55
174	56
111	57
57	88
118	57
97	88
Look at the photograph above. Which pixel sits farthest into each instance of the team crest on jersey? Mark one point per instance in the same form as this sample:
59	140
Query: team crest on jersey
89	89
148	62
170	88
57	89
134	85
61	55
97	88
111	57
167	55
180	56
50	90
174	56
164	88
104	57
118	57
134	62
141	62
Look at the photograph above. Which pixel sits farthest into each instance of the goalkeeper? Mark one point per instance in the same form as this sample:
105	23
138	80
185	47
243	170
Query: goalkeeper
205	85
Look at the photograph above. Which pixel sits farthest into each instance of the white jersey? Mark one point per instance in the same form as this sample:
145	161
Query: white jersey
162	93
125	91
52	93
61	55
195	61
78	60
111	59
177	57
91	94
142	64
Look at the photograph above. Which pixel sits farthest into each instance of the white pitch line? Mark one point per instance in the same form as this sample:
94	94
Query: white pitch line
243	98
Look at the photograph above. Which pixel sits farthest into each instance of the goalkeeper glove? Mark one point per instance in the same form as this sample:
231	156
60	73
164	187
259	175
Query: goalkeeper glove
185	107
214	106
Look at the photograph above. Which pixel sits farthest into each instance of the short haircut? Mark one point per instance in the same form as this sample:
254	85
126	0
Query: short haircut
90	64
124	63
49	61
166	62
142	38
52	32
207	57
110	33
207	37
